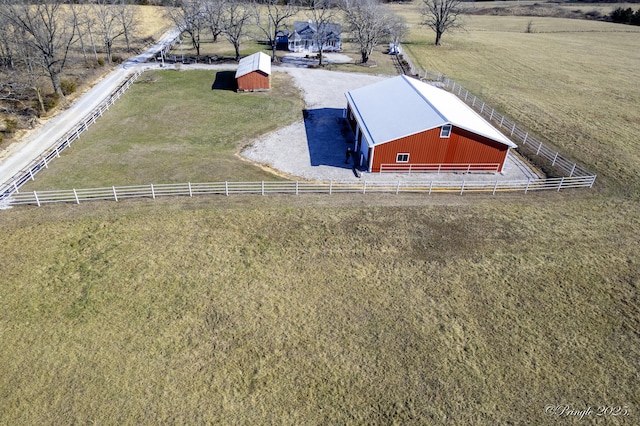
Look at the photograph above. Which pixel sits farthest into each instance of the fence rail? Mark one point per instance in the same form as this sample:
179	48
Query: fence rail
153	191
53	152
575	176
440	168
535	148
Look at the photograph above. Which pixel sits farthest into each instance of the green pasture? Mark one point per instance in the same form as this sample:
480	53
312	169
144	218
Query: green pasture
342	309
172	127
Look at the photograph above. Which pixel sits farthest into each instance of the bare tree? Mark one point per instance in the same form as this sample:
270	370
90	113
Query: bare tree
109	25
129	21
236	15
6	43
441	15
213	15
48	28
277	15
367	21
397	28
321	14
189	16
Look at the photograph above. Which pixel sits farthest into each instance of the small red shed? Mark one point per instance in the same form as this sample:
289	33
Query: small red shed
253	73
403	124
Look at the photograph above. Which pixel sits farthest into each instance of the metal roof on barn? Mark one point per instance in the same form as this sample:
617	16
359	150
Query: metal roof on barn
257	62
403	106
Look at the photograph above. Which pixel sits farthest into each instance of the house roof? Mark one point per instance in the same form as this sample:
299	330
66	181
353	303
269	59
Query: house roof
257	62
403	106
306	30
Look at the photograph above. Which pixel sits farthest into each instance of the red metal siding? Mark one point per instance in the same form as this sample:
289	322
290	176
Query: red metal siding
255	80
462	147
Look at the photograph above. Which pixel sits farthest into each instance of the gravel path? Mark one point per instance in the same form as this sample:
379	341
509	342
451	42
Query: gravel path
314	148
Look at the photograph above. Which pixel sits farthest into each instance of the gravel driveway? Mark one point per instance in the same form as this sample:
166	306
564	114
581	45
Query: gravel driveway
314	148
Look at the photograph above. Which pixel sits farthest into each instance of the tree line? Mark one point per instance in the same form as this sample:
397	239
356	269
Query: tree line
39	38
36	40
626	16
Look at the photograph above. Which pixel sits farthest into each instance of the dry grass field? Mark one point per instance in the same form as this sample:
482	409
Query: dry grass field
354	309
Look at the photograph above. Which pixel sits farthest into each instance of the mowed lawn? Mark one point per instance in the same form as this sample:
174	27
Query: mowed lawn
348	309
172	127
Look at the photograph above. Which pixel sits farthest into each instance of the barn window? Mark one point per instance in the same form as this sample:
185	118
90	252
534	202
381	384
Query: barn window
402	158
445	132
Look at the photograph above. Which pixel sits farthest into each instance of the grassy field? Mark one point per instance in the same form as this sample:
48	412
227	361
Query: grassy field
572	83
351	309
172	127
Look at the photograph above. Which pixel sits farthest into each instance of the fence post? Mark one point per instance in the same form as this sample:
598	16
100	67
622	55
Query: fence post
494	188
398	187
482	108
115	196
524	141
572	169
44	158
539	147
226	188
513	129
262	188
75	194
474	101
364	187
331	187
57	152
501	121
554	159
491	115
153	193
560	184
31	174
430	187
190	192
527	187
296	187
15	185
36	197
593	181
462	187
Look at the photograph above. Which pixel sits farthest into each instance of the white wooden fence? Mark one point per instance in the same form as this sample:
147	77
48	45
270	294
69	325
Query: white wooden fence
440	168
576	175
153	191
536	149
43	160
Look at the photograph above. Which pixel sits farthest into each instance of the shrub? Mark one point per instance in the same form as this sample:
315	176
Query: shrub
68	86
11	125
622	16
101	62
50	101
116	59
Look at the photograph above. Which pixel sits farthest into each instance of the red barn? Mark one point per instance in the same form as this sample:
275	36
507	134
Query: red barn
253	73
403	124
